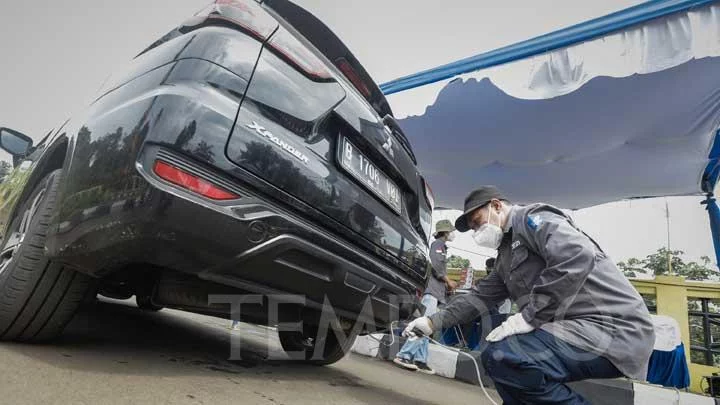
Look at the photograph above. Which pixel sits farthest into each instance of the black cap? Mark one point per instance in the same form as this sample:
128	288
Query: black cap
475	200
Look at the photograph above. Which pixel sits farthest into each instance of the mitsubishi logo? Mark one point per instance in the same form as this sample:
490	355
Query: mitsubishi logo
388	143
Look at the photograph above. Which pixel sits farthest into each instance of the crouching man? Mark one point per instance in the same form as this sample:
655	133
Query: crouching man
579	318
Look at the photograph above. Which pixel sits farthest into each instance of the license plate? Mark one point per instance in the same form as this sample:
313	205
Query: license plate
357	164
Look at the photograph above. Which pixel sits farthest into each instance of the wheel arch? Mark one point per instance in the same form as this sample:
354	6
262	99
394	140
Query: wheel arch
52	159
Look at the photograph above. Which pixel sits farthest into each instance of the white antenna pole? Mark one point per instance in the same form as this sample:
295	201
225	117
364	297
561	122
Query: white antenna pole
667	219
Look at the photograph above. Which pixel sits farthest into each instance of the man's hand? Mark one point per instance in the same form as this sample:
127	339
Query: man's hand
452	285
514	325
422	324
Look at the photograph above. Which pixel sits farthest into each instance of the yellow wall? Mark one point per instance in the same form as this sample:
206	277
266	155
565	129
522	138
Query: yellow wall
454	274
672	295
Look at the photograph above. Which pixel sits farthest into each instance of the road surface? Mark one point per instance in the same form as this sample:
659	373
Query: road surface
114	353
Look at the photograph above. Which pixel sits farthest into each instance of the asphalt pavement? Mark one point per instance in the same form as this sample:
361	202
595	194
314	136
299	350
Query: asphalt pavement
115	353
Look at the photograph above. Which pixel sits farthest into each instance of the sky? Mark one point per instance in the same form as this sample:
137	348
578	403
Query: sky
55	56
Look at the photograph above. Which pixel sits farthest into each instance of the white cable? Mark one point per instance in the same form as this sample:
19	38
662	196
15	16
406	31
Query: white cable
477	367
391	334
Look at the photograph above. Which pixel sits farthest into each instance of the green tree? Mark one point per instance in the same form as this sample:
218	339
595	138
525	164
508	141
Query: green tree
632	267
657	262
697	271
458	262
5	169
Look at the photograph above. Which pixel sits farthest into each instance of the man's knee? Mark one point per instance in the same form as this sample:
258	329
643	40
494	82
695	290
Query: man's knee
494	355
506	363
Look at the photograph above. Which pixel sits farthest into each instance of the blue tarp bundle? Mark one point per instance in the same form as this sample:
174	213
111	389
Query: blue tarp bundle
669	369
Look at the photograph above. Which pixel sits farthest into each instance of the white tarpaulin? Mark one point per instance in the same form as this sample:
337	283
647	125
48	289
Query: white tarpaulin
631	113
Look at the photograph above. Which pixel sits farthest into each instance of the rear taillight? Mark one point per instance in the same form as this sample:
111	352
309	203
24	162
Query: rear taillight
191	182
245	14
249	17
348	71
297	54
429	196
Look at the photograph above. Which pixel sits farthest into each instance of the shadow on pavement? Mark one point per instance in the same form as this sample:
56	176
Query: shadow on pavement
114	338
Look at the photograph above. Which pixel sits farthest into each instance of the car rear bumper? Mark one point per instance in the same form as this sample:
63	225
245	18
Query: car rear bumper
251	244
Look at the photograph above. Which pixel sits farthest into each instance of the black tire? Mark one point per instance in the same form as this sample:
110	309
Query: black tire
333	350
145	303
37	297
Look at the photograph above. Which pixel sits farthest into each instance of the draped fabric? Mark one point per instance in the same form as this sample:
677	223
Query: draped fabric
631	113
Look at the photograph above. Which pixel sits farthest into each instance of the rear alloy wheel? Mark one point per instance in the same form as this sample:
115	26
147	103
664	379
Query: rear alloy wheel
332	349
144	294
37	296
144	302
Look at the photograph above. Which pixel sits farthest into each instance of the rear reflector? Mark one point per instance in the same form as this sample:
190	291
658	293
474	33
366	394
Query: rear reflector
191	182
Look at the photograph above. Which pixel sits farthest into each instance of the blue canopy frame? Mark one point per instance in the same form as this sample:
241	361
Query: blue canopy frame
585	31
555	40
710	178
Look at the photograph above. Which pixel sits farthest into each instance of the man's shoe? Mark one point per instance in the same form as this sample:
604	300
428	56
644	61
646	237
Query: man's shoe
423	368
407	364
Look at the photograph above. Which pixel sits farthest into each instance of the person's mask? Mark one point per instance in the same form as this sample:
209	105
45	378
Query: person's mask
451	237
489	235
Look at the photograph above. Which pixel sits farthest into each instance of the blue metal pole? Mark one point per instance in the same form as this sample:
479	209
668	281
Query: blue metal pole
714	214
578	33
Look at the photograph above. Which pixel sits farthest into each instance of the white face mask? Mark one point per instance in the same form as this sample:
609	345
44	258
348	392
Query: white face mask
489	235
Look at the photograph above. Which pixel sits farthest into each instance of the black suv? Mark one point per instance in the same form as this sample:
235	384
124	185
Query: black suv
245	153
